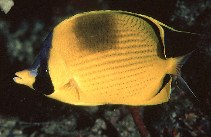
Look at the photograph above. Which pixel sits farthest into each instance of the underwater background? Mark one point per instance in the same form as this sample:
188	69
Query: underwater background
23	113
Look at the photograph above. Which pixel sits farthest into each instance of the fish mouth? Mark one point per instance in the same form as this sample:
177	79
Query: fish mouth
16	77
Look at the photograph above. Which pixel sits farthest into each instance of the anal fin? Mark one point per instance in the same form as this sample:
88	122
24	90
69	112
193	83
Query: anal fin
162	96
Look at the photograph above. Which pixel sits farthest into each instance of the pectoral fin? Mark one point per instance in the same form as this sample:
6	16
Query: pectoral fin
69	93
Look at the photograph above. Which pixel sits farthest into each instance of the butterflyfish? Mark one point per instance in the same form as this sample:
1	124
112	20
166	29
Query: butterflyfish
104	57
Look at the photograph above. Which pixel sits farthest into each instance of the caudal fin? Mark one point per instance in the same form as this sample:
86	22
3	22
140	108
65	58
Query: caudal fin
181	84
176	74
178	62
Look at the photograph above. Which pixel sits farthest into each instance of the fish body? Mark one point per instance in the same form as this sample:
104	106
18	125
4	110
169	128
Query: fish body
104	57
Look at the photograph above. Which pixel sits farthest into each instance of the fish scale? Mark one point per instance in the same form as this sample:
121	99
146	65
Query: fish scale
123	43
98	74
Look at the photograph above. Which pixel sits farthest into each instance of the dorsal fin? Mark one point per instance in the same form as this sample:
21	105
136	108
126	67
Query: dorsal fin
158	31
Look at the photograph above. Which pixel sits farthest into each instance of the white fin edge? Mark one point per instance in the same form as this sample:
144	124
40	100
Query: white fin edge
185	84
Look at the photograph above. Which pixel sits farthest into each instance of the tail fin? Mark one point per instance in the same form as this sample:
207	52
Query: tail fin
180	82
178	62
176	74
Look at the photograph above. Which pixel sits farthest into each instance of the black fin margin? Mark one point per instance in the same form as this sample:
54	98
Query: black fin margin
166	79
160	49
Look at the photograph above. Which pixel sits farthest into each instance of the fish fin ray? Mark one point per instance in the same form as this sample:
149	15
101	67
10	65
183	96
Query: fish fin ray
169	27
180	80
73	83
180	61
177	63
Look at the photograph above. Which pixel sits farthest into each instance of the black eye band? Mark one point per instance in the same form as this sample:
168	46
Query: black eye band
43	83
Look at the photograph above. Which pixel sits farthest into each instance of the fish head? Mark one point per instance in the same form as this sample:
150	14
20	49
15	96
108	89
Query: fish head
37	79
37	75
25	77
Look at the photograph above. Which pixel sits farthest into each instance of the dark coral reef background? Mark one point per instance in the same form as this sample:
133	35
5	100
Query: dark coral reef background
23	113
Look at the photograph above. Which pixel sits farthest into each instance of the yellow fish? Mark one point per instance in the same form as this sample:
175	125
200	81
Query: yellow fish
104	57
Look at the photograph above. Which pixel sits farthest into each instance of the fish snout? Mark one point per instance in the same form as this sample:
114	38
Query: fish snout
24	77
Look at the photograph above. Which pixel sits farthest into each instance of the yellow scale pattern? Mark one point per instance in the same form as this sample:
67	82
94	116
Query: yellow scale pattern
123	69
